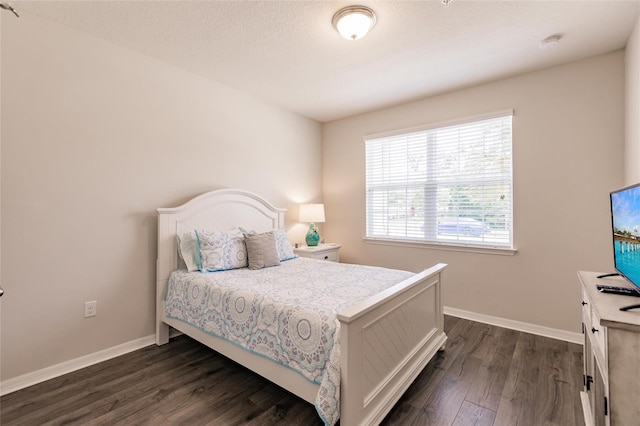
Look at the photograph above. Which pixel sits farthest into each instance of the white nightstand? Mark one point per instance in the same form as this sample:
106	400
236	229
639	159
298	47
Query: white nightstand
321	251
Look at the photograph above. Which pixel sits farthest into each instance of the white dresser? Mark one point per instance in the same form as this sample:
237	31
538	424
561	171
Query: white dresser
611	394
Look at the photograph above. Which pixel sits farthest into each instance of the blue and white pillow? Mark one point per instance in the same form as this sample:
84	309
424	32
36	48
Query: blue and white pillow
285	251
221	250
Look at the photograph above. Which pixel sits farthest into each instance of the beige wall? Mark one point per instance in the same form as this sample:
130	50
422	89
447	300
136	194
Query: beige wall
94	139
568	142
632	123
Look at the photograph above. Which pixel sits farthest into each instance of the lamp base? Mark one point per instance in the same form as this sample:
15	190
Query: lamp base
313	238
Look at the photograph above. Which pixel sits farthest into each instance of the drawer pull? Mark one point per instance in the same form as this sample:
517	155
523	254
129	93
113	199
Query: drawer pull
584	303
594	330
326	258
588	382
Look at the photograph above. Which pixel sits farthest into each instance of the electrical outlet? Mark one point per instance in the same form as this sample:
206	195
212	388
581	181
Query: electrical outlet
90	309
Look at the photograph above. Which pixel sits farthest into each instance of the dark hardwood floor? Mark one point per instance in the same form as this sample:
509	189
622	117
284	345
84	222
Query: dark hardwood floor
486	376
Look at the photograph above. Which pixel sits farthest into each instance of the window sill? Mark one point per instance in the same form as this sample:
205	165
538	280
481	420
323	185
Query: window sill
502	251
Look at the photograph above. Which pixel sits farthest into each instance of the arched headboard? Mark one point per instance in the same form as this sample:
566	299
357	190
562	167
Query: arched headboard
222	209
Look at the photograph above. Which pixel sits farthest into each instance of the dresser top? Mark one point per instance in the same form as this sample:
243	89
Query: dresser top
608	306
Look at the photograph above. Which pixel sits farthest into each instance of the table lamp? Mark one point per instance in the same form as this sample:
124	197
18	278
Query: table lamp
312	214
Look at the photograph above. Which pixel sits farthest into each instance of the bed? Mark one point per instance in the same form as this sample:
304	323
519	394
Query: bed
371	377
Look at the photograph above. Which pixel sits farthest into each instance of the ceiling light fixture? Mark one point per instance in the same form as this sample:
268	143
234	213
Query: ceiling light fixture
354	22
550	42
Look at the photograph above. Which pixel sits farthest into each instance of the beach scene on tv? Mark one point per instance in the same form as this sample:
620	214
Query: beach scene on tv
625	210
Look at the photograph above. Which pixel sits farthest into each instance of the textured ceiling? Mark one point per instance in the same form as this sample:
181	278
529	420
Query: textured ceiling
287	52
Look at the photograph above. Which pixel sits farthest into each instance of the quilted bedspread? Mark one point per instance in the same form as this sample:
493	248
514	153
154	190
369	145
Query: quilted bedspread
286	313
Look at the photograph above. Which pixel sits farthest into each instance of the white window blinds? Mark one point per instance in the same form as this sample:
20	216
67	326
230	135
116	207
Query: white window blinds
446	185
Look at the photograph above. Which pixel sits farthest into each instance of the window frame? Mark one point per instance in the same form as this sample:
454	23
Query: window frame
501	249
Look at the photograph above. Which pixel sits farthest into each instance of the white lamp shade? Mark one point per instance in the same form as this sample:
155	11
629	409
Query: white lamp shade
354	22
312	213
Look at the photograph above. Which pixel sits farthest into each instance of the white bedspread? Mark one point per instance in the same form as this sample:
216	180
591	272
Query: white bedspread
286	313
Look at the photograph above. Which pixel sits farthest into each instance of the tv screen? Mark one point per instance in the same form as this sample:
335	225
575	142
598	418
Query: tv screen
625	220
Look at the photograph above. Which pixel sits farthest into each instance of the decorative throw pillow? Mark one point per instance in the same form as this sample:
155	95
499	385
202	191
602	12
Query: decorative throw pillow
221	250
285	251
188	249
261	250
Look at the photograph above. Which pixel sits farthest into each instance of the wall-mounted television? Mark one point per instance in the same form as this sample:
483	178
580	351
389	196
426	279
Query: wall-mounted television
625	230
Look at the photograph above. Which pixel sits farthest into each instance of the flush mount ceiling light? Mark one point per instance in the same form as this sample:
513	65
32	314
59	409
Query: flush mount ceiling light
550	42
354	22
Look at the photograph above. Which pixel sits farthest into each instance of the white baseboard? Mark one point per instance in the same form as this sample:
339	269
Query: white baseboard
553	333
39	376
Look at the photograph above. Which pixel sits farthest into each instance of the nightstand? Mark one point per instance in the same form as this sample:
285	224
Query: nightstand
321	252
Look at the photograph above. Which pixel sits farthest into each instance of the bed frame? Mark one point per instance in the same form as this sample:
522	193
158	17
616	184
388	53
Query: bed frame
386	340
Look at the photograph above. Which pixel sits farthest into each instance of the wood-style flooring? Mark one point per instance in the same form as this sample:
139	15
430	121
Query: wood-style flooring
486	376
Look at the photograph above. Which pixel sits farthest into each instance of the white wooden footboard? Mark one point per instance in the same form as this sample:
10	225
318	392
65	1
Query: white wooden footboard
385	343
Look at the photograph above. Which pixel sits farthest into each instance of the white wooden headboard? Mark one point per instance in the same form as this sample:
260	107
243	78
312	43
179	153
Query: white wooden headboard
222	209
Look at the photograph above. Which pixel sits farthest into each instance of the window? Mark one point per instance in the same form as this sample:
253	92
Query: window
447	184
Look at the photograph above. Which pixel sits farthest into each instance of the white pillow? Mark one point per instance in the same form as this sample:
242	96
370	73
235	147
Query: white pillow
188	249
